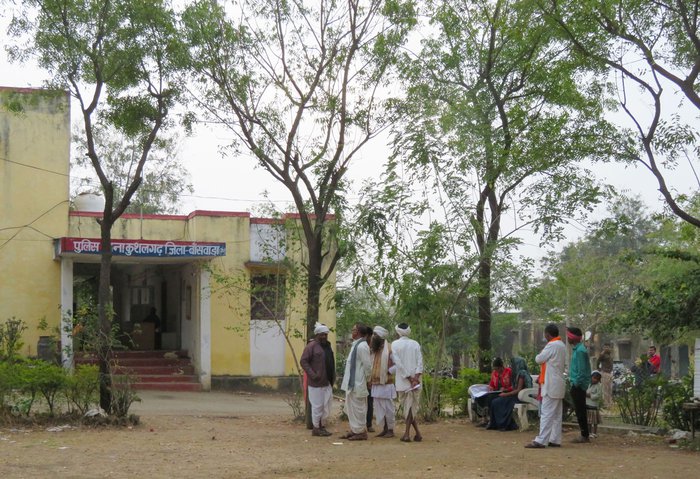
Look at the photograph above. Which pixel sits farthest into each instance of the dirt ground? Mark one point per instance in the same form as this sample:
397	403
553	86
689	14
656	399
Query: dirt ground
226	435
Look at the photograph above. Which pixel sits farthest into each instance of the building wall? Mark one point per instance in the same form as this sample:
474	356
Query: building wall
34	211
234	343
34	189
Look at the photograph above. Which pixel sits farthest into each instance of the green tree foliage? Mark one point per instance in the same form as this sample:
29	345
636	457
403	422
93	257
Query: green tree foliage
591	281
296	82
165	179
666	297
632	272
651	49
668	306
119	59
495	121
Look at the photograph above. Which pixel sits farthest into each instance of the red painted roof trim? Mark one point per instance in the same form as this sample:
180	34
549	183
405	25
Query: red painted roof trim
231	214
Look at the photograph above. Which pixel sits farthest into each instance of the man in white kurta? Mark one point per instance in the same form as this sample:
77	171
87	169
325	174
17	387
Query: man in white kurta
408	361
357	373
382	381
552	389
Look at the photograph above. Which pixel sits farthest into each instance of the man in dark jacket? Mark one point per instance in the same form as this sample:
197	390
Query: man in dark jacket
319	364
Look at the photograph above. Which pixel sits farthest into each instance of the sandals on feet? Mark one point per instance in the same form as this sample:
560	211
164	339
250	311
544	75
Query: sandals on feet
534	445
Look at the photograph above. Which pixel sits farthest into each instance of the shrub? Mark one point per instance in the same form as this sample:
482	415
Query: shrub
123	394
640	401
10	381
28	385
459	388
675	395
37	377
50	379
11	338
452	392
442	385
82	387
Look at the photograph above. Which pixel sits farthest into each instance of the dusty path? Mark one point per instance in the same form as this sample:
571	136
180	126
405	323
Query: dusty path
219	435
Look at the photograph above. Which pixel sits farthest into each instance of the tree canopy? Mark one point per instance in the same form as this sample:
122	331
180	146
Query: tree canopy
495	120
297	85
651	50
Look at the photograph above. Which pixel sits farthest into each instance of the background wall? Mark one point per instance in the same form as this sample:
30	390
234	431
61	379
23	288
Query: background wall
34	168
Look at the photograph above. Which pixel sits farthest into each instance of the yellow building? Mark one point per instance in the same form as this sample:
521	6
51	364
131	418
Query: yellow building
213	277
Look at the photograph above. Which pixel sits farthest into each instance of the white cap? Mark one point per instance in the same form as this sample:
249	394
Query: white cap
403	332
381	332
321	328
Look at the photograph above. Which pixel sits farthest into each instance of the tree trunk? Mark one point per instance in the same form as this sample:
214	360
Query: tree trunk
484	302
456	363
313	288
313	298
105	311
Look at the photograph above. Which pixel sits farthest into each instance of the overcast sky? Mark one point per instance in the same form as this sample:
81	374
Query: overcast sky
235	184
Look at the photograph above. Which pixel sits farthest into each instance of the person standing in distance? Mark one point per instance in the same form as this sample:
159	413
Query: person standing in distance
408	360
382	381
318	362
580	378
605	365
358	369
653	361
552	389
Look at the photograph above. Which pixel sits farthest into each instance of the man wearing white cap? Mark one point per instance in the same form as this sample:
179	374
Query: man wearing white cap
382	381
357	372
319	364
408	359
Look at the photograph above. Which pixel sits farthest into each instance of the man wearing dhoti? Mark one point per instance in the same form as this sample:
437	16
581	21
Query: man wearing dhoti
383	389
408	360
357	373
552	389
319	364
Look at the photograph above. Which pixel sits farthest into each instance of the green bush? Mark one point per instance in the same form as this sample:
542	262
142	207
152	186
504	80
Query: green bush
10	381
676	394
640	401
39	378
459	388
50	380
442	384
123	394
82	388
453	392
11	339
28	385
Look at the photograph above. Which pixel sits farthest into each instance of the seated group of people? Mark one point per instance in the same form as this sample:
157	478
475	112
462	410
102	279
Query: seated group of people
502	394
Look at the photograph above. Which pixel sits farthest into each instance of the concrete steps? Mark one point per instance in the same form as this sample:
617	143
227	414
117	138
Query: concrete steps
155	370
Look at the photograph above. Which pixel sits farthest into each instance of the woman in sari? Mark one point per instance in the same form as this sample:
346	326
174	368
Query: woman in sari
500	382
501	411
